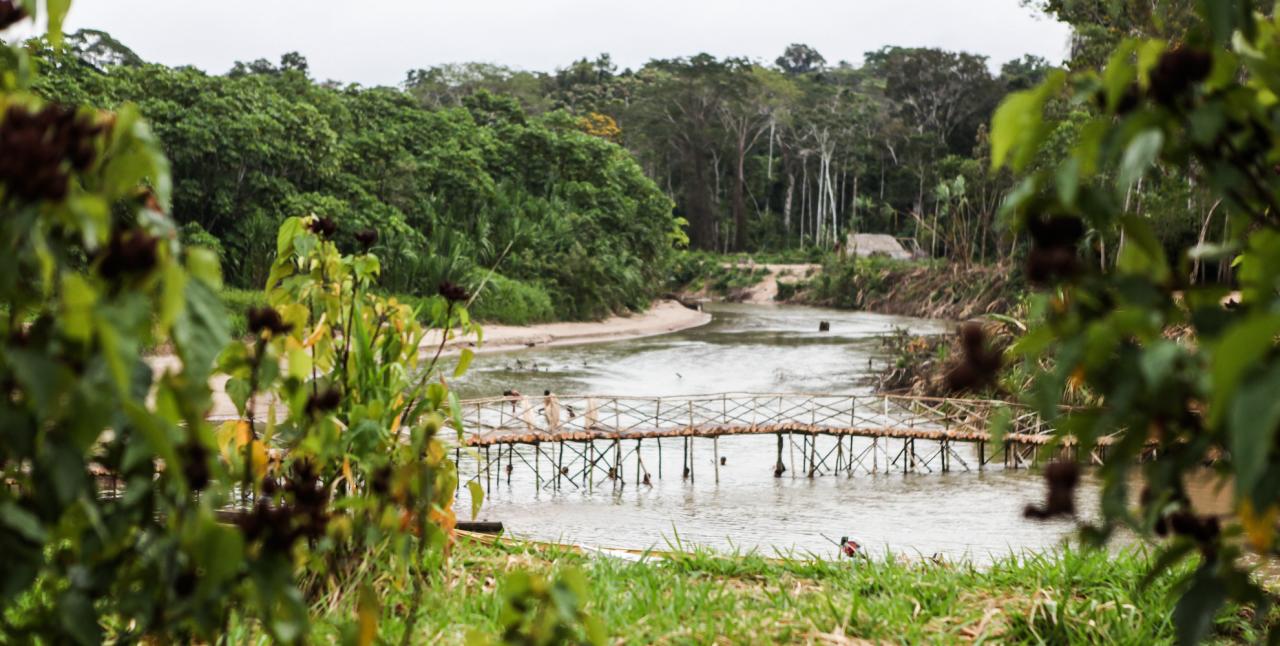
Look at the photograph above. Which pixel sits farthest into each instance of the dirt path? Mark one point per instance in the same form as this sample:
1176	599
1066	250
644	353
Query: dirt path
766	291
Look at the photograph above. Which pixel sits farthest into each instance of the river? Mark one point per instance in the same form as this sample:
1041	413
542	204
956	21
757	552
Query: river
763	349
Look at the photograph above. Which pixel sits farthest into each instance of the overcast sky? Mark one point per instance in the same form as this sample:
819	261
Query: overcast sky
377	41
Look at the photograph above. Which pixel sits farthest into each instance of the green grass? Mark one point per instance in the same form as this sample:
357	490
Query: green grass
1068	596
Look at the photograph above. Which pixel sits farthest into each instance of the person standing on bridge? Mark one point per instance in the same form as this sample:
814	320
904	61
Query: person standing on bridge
551	410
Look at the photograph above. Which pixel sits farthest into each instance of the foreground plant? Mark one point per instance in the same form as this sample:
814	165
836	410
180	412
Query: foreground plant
123	514
1203	109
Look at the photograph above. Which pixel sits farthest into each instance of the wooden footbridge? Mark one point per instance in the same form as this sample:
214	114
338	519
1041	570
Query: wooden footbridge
585	442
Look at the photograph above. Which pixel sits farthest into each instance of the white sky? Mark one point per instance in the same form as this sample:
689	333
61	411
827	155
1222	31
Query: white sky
377	41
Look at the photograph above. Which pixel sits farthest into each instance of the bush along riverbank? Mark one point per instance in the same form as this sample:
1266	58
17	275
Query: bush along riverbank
536	594
926	289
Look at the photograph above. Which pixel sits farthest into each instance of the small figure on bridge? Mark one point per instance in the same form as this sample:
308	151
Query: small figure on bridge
551	409
514	395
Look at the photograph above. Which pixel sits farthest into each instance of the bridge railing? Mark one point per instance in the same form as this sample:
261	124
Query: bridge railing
590	417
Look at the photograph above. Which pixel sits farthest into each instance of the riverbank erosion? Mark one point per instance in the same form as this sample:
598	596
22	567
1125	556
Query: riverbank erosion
664	317
1065	596
930	289
933	289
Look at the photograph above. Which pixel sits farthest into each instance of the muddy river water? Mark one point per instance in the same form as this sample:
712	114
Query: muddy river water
757	349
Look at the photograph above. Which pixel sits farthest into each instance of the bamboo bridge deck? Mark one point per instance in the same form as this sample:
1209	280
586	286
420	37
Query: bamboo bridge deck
545	426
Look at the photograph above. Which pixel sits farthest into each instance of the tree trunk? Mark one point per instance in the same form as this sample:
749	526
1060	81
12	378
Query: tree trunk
739	201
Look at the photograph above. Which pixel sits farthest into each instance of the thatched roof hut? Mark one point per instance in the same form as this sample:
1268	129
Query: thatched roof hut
876	244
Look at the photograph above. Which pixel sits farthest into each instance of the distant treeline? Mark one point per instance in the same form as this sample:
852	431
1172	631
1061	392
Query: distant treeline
573	225
795	153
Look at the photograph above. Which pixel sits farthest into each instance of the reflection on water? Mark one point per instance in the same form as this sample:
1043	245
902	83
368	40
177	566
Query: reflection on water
758	349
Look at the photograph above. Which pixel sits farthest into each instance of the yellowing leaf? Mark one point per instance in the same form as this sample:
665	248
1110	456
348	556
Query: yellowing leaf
1260	529
258	452
321	330
243	433
367	611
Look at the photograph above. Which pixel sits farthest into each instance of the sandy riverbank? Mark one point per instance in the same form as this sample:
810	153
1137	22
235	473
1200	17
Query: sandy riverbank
663	317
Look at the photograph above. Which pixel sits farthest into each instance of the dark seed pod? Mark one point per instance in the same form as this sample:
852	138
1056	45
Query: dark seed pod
323	227
266	318
453	293
324	401
185	583
380	480
129	253
1053	249
1178	70
1062	478
367	238
10	13
195	464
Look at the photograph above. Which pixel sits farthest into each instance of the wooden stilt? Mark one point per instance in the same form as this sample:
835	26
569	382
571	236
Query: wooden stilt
778	468
715	448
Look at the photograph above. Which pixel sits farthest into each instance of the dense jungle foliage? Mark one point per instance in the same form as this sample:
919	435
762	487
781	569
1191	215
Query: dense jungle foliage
569	220
1180	115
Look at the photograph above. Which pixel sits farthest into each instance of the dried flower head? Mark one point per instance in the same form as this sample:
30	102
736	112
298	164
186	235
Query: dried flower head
267	319
323	227
367	238
11	12
453	293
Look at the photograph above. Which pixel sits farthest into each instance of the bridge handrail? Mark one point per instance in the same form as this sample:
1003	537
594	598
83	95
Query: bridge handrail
535	415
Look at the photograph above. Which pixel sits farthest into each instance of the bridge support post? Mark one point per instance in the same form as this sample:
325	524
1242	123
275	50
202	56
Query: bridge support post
659	458
559	465
684	459
638	462
488	486
511	449
589	466
813	455
778	468
791	440
537	467
715	449
617	462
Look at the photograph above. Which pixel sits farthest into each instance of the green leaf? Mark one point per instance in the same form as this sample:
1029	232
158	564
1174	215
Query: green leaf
1193	616
1239	349
1143	255
464	362
1142	152
22	521
1254	418
78	299
1017	128
201	330
477	497
289	230
1149	54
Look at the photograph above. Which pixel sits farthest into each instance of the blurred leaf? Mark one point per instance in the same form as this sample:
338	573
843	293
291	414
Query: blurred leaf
464	362
1196	609
477	497
367	610
1141	153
